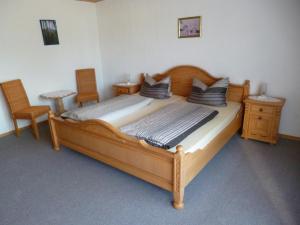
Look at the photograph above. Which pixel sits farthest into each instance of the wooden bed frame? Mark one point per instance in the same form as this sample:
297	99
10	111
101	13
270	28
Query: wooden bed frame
170	171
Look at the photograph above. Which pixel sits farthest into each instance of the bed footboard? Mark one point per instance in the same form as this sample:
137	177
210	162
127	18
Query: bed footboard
103	142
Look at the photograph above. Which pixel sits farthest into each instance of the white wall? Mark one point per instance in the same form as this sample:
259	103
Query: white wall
46	68
256	40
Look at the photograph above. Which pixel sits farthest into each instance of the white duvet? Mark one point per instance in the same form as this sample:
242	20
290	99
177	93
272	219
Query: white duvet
109	110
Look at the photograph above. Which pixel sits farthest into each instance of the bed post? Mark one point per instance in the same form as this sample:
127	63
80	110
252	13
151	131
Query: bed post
178	177
246	89
55	142
142	78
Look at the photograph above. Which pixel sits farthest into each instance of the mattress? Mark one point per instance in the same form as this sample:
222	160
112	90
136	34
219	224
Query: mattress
200	137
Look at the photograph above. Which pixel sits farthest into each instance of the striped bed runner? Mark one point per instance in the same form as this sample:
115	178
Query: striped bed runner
168	126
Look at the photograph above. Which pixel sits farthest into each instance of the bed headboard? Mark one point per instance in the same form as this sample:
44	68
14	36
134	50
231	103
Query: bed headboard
182	79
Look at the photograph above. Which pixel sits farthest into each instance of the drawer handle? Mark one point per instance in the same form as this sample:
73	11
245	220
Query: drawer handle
261	110
259	118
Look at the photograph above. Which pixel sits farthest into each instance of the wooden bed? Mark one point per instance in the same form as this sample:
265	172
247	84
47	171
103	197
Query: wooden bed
170	171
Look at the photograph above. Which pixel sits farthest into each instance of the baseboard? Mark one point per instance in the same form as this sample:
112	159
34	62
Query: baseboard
283	136
22	128
9	133
289	137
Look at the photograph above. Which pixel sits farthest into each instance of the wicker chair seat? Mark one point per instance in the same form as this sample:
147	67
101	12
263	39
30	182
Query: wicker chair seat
84	97
31	112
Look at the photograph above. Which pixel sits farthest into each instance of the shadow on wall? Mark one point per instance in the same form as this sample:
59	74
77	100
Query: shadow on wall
4	113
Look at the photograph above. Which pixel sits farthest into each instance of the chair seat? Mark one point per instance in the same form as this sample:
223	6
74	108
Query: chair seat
83	97
31	112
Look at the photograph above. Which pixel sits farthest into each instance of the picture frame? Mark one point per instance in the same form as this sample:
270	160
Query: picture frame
49	31
189	27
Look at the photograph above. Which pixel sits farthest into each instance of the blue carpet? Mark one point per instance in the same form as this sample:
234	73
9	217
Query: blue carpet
247	183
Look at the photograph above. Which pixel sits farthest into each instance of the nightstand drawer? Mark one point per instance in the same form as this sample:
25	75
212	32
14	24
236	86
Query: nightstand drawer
124	90
262	109
260	125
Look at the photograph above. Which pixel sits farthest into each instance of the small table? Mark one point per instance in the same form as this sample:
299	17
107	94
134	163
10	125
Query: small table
126	88
58	96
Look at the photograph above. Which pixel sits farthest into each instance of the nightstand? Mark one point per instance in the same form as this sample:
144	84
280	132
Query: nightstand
126	88
262	118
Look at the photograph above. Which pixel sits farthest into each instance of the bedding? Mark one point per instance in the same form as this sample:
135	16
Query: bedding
166	127
201	137
153	89
153	106
109	110
214	95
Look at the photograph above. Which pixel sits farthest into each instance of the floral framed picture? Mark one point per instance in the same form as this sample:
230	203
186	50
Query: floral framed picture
189	27
49	31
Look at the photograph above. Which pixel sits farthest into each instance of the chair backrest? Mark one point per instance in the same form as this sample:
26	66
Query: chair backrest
15	95
86	81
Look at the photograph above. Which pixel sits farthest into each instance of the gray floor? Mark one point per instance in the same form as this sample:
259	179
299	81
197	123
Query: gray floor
247	183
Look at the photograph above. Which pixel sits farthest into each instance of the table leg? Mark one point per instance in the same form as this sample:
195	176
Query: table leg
59	104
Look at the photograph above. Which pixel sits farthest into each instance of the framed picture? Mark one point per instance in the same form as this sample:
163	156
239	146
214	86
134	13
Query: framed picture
49	31
189	27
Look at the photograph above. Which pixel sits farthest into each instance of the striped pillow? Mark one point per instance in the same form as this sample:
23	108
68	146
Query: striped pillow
153	89
214	95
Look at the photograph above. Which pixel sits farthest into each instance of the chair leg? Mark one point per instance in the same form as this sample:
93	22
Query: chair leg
17	130
35	129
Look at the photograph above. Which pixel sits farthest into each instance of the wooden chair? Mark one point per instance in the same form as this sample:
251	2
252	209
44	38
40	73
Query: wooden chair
20	107
86	86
